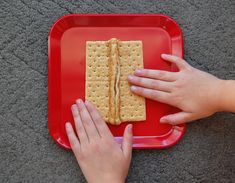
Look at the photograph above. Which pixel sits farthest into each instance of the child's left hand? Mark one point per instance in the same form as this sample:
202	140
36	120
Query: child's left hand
101	159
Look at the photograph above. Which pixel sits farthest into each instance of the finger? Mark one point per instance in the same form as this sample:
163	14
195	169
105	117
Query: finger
157	74
74	142
150	83
87	122
160	96
181	64
98	120
81	132
177	118
127	141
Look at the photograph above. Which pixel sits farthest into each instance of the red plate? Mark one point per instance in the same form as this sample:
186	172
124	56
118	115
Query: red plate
66	70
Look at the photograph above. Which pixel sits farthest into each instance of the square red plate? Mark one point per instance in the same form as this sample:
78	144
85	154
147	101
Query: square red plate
66	69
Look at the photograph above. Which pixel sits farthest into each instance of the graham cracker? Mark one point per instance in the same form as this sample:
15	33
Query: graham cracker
108	64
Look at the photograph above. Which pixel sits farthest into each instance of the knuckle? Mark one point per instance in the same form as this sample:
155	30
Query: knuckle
70	133
86	122
153	95
179	85
79	128
161	74
176	98
82	110
138	80
72	142
140	90
99	120
91	109
154	84
146	72
75	114
178	59
164	99
95	146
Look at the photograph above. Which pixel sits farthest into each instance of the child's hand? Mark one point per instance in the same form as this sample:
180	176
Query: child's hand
101	159
193	91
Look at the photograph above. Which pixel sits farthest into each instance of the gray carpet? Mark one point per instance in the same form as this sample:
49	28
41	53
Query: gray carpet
28	153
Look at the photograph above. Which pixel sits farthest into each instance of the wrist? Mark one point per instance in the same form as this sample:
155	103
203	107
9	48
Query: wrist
215	92
226	96
113	181
107	180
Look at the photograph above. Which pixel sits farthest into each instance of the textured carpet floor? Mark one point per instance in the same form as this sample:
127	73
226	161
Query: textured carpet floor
28	153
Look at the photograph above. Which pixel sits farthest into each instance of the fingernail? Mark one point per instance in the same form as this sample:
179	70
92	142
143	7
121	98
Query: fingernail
133	88
163	55
74	106
138	71
130	77
67	125
79	103
86	102
130	128
163	120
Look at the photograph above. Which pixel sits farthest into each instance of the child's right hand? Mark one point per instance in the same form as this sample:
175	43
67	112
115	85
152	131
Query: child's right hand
195	92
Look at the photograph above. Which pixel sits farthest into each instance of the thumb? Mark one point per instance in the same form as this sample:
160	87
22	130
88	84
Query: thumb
177	118
181	64
127	141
